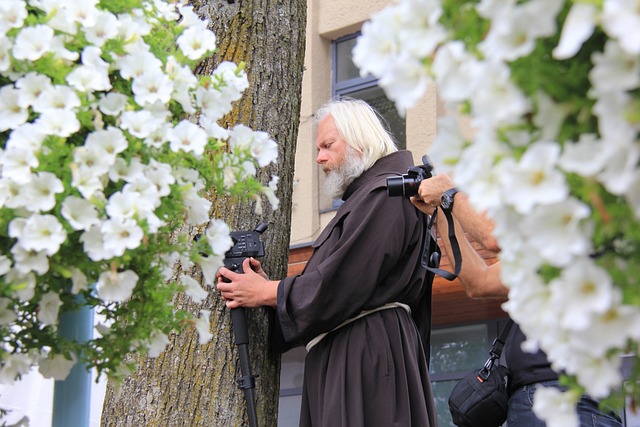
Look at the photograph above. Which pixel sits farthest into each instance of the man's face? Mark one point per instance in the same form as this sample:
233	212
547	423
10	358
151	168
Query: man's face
331	147
340	163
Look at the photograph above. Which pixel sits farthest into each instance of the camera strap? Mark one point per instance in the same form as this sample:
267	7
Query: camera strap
434	257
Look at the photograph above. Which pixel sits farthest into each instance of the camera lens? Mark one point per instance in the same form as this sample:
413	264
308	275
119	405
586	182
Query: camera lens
395	186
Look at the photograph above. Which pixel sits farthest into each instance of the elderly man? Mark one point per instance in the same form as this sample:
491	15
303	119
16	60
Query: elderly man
354	305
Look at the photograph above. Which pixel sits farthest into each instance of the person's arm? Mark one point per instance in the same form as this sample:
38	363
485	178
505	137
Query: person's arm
478	279
478	225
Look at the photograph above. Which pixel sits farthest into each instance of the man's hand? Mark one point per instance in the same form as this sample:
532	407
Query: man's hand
429	192
249	289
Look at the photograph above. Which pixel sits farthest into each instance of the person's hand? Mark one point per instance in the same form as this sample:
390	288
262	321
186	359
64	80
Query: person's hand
248	289
429	192
257	267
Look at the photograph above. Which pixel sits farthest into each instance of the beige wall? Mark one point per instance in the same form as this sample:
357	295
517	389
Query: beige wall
328	20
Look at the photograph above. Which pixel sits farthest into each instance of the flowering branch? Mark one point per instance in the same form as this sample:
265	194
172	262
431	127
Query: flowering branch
551	88
109	144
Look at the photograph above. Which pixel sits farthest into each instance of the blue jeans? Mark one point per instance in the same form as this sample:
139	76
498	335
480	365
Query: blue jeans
521	409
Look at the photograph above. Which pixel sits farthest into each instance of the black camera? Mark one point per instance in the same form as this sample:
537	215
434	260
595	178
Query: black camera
407	185
246	244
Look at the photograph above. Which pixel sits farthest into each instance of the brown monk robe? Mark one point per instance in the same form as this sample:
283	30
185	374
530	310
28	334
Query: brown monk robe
372	371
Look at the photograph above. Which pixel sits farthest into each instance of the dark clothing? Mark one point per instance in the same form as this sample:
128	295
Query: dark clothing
372	371
529	371
589	415
525	368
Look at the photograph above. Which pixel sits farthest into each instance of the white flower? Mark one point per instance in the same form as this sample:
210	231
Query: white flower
621	19
582	289
120	235
447	145
5	265
559	231
495	99
56	366
113	103
39	233
7	313
110	141
42	190
17	163
452	67
26	261
235	81
270	192
13	366
404	82
217	235
151	87
600	375
203	326
80	213
12	114
211	102
56	98
556	408
33	42
578	27
140	123
137	63
27	136
78	280
188	137
264	149
210	266
614	69
106	27
61	123
48	308
196	41
86	181
534	179
5	56
193	288
585	157
31	87
116	287
93	75
158	341
93	244
13	15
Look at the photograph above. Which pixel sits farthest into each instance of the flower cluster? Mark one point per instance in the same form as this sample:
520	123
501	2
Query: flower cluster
108	146
551	91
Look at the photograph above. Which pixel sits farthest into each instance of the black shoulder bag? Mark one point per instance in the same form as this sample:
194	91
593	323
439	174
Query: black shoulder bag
480	397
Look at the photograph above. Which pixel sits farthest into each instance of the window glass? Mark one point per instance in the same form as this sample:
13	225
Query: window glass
345	68
459	349
441	392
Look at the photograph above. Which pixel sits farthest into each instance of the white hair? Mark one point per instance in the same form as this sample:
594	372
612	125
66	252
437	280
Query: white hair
361	126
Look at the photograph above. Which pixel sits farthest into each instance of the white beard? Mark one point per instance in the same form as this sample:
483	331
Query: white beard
337	180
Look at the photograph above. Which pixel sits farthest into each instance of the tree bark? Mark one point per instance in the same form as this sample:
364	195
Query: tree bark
195	385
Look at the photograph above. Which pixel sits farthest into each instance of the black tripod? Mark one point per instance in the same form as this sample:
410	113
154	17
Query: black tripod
246	244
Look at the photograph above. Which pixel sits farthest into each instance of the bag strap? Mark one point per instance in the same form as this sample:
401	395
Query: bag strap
498	343
495	352
455	247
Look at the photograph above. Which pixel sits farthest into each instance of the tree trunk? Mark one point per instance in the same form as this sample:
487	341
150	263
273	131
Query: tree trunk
192	384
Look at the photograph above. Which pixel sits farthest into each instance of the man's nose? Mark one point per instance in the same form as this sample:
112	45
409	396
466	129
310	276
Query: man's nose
321	158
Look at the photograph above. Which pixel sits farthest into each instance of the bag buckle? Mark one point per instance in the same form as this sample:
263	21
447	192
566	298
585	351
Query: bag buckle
485	372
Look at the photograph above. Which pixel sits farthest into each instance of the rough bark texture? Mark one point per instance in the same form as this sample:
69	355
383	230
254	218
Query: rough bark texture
192	384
